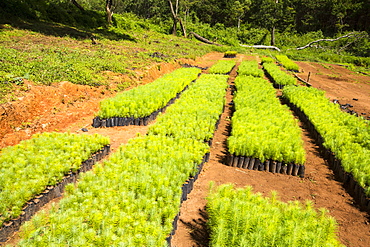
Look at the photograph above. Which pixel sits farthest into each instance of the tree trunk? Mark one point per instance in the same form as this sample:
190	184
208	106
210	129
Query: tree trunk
75	3
109	10
198	37
174	27
182	27
174	17
273	36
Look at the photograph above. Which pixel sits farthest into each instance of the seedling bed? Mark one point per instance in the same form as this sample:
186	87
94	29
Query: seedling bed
349	182
126	121
50	193
276	86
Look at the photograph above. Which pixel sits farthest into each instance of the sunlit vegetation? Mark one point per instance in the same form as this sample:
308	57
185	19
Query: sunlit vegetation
239	217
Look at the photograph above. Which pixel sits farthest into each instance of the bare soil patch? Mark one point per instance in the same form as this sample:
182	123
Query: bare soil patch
62	106
341	84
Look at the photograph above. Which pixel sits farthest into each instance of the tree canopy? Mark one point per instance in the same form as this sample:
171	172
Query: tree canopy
329	16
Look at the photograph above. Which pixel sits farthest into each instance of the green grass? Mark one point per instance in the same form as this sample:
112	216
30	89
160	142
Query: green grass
48	59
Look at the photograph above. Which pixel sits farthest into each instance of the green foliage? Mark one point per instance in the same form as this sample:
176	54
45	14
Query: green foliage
280	77
131	22
59	11
267	60
322	56
230	54
53	64
130	200
144	100
239	217
250	68
287	63
344	134
27	168
196	113
222	67
217	33
262	127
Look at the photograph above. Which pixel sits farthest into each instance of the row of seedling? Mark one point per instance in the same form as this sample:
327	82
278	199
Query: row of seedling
137	106
264	130
344	136
42	162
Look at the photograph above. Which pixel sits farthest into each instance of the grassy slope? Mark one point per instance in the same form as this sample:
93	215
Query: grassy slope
69	55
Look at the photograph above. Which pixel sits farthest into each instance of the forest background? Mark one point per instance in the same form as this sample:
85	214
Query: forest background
343	27
284	23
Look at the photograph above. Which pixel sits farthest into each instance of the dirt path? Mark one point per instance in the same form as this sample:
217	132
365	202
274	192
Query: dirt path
339	83
319	185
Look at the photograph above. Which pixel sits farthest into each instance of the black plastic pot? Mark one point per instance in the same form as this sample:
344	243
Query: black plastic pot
241	161
251	163
301	171
267	165
235	161
246	162
284	169
261	166
290	169
278	167
257	163
295	170
273	166
230	160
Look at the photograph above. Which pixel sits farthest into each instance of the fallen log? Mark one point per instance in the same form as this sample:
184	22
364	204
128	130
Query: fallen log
261	47
204	40
330	40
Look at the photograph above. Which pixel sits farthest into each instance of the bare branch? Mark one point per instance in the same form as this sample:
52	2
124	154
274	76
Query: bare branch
330	40
261	47
350	43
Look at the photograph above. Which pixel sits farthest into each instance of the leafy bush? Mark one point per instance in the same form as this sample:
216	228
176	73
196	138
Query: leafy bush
27	168
267	60
217	33
230	54
238	217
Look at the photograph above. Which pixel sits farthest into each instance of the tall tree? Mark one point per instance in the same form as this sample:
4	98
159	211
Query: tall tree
75	3
110	5
267	14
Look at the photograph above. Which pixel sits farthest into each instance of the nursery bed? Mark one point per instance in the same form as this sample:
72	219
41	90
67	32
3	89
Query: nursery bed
50	193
